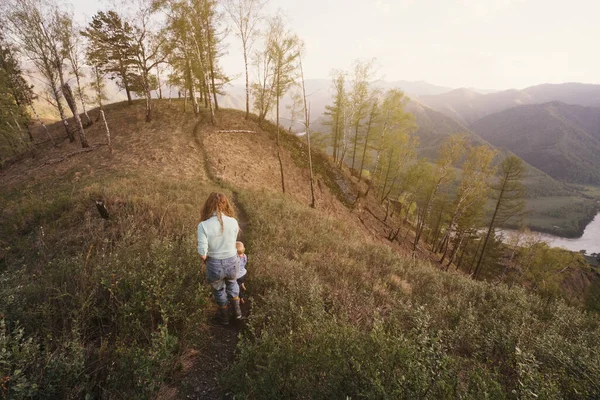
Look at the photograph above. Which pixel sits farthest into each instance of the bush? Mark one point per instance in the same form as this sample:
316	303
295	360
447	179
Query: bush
100	308
339	316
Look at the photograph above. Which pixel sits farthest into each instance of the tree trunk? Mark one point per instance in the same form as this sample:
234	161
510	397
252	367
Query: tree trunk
158	82
336	135
128	91
66	89
491	227
61	112
387	175
185	98
307	125
44	125
80	93
107	131
371	116
191	87
125	81
148	105
279	145
355	144
247	82
211	65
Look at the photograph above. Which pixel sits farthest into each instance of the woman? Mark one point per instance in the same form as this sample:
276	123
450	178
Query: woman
217	234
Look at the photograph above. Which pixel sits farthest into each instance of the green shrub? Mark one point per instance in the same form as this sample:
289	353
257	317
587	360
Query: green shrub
339	315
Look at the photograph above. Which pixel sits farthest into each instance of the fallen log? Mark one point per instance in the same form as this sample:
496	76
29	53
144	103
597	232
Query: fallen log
236	131
57	160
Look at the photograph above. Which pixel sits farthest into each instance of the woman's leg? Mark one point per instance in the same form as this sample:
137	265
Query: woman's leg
231	267
215	276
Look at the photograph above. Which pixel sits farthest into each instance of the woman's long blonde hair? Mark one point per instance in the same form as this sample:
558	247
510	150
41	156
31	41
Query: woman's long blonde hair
217	203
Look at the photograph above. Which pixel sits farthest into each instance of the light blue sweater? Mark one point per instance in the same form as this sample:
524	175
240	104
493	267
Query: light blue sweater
213	242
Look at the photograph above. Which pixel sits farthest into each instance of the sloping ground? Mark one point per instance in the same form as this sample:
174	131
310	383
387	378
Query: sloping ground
124	299
544	136
336	312
109	308
339	315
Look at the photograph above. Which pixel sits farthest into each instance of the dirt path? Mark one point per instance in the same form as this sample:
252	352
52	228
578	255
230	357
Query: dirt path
202	366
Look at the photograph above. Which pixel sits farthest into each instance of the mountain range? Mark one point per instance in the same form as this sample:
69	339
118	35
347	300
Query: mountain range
553	127
467	105
560	139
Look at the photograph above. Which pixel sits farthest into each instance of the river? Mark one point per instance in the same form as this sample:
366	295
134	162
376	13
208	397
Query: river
589	241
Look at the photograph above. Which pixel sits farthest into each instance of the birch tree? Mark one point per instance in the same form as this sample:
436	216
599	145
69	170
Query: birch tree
35	25
246	16
359	99
150	49
307	130
472	191
335	113
284	49
451	151
73	50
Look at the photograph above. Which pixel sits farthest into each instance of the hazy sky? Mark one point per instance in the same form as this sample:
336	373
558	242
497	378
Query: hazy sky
487	44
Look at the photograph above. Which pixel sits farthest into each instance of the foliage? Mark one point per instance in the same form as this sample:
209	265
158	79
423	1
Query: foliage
15	96
111	47
360	321
102	310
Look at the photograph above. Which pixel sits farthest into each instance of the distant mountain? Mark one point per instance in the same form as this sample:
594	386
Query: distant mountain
434	127
467	105
414	88
560	139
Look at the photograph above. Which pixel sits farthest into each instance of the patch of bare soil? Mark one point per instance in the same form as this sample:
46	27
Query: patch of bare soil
249	160
203	365
161	147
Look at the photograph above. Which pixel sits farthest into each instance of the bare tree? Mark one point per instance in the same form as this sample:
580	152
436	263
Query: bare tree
73	49
36	26
150	49
246	16
307	127
283	46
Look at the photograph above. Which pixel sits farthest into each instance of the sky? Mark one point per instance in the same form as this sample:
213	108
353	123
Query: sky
484	44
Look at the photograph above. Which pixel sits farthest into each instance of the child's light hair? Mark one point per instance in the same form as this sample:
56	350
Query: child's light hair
240	247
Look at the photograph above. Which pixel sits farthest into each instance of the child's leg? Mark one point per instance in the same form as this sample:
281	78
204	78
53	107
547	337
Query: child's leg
242	288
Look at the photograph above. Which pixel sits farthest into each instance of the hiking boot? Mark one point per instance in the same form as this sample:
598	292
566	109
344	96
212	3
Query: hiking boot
237	311
223	316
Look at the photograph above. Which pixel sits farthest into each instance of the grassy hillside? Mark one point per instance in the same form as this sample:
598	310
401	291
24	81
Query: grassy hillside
551	137
120	309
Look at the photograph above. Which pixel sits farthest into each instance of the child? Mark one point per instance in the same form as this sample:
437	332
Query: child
241	276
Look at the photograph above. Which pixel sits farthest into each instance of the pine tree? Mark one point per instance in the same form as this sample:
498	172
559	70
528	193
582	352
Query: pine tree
111	48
